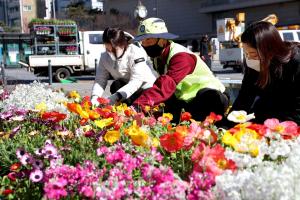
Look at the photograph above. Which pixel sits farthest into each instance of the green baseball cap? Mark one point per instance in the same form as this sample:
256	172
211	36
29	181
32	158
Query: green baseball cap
153	28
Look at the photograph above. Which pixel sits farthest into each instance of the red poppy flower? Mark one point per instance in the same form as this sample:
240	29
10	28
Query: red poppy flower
260	129
104	112
103	101
186	116
212	118
7	192
15	166
83	121
53	116
128	112
12	176
172	142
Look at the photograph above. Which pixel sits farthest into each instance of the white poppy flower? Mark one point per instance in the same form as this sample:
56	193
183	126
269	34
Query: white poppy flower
240	116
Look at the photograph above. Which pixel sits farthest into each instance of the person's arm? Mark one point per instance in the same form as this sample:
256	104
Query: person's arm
164	87
141	74
247	93
292	99
102	75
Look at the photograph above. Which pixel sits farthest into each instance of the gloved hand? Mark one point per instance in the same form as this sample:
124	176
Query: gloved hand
94	101
114	98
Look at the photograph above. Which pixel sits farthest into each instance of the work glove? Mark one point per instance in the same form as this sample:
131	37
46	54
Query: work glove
114	98
94	101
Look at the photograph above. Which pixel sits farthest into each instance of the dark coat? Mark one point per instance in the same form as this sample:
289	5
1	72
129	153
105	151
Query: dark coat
280	99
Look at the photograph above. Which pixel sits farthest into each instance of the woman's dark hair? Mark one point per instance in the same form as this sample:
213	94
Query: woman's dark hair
115	36
265	38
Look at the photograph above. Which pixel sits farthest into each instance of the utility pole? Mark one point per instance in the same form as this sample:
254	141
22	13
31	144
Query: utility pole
53	9
21	15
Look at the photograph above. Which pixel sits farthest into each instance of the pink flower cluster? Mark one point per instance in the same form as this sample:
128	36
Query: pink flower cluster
200	186
65	180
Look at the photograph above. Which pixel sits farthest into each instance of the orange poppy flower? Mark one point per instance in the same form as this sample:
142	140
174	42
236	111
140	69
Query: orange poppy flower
15	166
74	107
172	142
93	115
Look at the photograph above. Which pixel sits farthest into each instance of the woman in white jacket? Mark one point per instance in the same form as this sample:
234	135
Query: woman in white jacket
128	66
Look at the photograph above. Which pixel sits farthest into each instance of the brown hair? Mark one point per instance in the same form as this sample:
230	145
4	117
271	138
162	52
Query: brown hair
115	36
272	50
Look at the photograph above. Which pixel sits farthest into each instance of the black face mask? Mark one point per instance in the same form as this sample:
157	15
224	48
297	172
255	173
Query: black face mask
154	50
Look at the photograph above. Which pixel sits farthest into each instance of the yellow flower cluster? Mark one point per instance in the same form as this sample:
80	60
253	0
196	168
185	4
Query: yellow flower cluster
244	141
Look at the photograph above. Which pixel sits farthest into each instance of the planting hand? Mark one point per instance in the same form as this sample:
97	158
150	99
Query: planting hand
113	99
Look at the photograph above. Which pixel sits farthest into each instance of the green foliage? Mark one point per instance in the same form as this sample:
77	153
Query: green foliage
9	29
39	21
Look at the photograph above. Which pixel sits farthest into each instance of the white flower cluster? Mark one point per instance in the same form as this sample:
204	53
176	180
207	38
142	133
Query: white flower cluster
266	180
30	95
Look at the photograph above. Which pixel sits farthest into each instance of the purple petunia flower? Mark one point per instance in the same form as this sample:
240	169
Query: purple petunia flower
26	159
49	151
20	153
14	131
37	164
36	175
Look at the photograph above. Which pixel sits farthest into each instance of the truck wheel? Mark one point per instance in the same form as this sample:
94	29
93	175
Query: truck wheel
62	74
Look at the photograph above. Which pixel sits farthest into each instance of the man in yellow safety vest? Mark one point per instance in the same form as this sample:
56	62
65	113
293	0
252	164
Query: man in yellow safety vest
185	81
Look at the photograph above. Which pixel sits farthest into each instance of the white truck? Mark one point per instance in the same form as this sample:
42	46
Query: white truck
229	30
63	66
230	52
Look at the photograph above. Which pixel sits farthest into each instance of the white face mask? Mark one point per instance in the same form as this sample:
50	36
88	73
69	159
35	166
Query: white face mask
253	64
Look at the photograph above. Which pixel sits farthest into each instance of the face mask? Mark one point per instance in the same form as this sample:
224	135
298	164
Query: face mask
253	64
154	50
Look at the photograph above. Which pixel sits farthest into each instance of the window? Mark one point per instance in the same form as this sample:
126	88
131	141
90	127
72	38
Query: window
95	39
288	36
298	33
27	8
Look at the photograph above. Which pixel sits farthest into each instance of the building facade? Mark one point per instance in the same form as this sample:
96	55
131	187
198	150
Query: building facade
62	5
18	13
191	19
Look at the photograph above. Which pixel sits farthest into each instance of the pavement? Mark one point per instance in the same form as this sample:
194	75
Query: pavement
84	84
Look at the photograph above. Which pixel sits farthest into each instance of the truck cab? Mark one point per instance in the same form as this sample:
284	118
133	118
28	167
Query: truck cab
290	35
91	46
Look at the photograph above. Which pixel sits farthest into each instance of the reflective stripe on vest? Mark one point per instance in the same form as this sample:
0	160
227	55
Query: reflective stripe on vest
202	77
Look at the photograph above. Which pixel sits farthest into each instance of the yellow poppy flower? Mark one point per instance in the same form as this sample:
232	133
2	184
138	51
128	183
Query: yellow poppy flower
155	142
112	136
41	107
140	138
74	95
103	122
168	115
229	139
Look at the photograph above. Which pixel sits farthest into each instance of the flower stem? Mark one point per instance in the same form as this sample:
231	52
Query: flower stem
182	159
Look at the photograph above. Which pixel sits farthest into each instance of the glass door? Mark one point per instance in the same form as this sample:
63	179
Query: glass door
13	55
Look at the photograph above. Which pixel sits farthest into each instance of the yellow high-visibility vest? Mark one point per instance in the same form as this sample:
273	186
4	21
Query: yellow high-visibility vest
201	78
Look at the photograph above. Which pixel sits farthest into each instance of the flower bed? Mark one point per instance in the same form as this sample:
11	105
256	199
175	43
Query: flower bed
55	147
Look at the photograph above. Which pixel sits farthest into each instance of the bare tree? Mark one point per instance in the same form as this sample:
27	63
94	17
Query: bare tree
98	20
